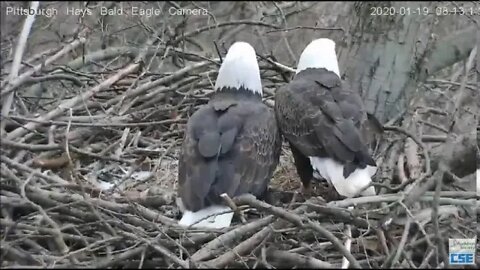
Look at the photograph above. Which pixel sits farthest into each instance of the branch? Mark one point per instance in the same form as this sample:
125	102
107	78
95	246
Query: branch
208	27
22	41
448	51
212	248
70	103
297	220
288	259
26	76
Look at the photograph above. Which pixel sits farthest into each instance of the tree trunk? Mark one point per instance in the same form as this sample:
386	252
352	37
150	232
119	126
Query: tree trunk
384	56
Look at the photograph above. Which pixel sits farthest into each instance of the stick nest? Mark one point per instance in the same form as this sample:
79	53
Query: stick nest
89	180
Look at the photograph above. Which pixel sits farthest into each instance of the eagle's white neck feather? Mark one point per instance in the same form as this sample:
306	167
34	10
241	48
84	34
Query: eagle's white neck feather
332	171
213	222
320	53
240	68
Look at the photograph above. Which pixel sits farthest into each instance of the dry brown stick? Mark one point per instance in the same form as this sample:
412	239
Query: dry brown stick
223	24
348	242
434	138
22	41
58	235
42	199
289	259
110	123
401	169
159	248
118	106
20	255
234	207
37	173
90	246
55	77
383	241
211	249
123	141
433	125
242	248
419	142
27	227
116	259
21	131
317	227
100	156
261	205
426	259
22	78
435	211
279	67
413	162
297	220
309	28
167	80
428	197
149	214
342	214
392	260
31	147
75	178
70	103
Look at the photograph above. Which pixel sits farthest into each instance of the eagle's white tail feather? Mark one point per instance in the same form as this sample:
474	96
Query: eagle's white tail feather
332	171
213	222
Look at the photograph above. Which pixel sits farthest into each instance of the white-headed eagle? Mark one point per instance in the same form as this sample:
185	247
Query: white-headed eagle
323	121
231	145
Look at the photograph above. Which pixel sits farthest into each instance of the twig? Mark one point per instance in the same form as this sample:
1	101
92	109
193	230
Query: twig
348	245
427	197
54	77
58	235
107	124
24	77
22	41
240	249
424	148
21	131
288	259
116	259
160	249
211	249
309	28
297	220
234	207
37	173
31	147
223	24
391	263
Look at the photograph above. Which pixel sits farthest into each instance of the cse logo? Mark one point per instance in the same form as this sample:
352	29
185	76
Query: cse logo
461	258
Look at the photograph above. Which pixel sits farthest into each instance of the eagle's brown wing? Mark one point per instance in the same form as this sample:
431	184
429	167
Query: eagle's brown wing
231	150
321	119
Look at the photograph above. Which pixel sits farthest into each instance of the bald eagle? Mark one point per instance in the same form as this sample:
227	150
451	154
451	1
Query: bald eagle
231	145
323	121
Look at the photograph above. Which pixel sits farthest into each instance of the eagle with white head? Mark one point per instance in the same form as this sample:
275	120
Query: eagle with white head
231	145
323	123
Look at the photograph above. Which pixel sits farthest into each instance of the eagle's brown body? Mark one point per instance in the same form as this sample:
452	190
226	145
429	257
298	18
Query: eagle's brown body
231	145
325	123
